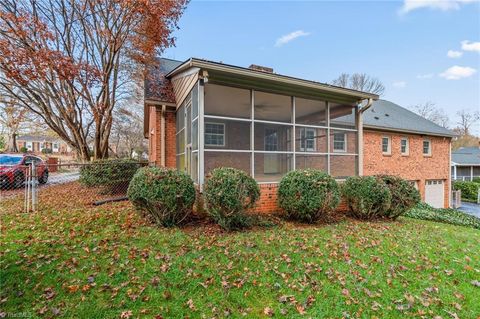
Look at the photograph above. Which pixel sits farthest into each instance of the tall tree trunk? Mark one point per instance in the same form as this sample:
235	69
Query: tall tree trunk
12	143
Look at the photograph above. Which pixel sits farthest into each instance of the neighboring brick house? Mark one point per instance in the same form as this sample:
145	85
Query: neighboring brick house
466	163
210	114
37	143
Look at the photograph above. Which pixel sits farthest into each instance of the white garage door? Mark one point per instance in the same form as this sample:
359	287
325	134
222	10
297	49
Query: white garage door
434	193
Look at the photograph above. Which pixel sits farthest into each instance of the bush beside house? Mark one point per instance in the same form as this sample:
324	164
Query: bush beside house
367	197
404	195
307	195
229	194
165	195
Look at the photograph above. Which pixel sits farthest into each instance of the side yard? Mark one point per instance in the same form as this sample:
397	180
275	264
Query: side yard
107	262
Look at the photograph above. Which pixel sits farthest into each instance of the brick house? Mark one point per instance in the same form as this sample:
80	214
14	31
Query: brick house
36	143
200	115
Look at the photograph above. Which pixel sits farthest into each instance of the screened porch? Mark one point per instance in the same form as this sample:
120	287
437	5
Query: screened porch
264	134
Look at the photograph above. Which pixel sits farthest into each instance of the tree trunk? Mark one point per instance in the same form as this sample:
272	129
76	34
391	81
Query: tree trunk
12	143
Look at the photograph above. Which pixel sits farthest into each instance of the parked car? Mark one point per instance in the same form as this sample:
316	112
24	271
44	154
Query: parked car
14	168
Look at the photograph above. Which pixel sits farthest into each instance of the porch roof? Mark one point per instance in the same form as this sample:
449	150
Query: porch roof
222	73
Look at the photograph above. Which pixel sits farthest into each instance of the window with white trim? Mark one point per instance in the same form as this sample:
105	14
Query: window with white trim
404	147
427	147
386	145
214	134
339	142
307	139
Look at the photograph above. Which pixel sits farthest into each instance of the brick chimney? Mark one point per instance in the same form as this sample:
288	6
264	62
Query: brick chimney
260	68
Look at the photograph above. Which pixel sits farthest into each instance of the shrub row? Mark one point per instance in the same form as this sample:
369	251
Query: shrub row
167	196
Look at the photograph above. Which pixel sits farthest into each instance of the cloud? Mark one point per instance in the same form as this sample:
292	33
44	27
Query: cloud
284	39
470	46
454	54
458	72
399	84
425	76
443	5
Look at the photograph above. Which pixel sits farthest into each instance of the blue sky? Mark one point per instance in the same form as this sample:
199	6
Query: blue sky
405	44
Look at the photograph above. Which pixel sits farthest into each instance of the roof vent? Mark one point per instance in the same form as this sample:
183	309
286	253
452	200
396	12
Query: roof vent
260	68
376	117
386	114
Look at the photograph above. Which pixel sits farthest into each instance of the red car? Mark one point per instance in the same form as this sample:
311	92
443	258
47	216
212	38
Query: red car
14	168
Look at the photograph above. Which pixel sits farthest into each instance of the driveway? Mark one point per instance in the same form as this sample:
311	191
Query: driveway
471	208
62	178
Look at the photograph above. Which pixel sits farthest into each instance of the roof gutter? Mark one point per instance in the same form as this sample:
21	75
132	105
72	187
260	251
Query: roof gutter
367	106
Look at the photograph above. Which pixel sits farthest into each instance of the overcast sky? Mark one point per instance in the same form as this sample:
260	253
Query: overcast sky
421	50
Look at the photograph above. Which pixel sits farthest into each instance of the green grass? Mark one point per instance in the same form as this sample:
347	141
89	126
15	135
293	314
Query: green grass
104	261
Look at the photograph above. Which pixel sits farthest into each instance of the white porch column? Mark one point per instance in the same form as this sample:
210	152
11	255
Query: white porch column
201	136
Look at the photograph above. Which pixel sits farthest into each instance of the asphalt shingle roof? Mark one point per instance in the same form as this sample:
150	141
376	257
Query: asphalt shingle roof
467	155
387	115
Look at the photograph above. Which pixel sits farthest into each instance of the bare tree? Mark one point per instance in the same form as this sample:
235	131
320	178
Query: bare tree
360	82
466	120
70	61
431	112
12	116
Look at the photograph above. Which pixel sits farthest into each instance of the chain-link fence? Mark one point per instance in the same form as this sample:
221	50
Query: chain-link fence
34	184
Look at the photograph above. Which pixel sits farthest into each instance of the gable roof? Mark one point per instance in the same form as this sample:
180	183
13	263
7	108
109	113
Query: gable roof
387	115
467	156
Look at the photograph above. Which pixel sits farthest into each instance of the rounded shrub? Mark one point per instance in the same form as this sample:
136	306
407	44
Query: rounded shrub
469	189
229	194
113	175
404	195
306	195
367	197
165	195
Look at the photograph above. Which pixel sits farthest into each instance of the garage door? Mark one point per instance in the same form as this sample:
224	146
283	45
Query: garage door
434	193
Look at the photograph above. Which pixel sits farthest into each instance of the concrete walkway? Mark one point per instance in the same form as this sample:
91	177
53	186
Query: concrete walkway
470	208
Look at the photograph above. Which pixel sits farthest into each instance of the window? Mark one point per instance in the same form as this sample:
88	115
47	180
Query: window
404	146
214	134
386	147
427	147
307	139
339	142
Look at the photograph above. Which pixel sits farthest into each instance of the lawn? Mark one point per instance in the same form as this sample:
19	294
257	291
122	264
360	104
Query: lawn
107	262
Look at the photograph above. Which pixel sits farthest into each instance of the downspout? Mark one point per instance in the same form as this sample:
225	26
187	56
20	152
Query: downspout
162	135
359	123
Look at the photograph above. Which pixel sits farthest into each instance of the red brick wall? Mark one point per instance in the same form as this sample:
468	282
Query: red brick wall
155	141
415	166
170	131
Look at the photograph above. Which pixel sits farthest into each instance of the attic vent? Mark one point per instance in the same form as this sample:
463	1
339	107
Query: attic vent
260	68
386	114
376	117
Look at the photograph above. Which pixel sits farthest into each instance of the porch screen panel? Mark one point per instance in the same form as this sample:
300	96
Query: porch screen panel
310	140
310	112
227	101
273	107
342	116
226	134
238	160
343	166
315	161
270	167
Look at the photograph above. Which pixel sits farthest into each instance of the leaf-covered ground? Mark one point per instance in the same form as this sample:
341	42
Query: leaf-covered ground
107	262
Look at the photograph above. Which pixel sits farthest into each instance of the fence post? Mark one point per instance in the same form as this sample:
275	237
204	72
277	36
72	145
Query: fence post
34	182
